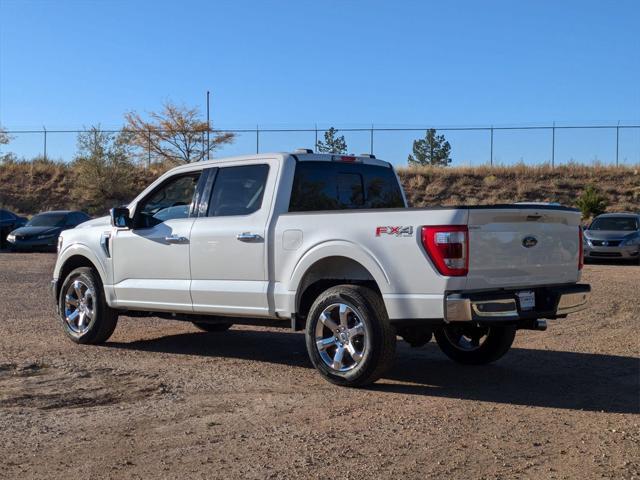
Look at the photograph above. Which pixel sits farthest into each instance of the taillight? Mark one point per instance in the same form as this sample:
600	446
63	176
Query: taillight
448	248
580	248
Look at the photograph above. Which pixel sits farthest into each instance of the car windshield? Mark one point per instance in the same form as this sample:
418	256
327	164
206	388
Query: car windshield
625	224
48	220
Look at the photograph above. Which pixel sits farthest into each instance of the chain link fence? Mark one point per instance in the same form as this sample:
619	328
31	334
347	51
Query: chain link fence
617	144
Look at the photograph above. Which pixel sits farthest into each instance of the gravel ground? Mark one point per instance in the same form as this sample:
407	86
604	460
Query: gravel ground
164	400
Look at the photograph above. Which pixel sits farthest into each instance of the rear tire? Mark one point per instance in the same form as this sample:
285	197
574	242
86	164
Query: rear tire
349	338
213	327
473	345
86	318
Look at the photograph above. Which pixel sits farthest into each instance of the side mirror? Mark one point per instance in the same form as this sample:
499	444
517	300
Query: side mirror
120	217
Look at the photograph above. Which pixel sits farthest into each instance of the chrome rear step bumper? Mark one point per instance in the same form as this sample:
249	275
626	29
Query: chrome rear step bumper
503	306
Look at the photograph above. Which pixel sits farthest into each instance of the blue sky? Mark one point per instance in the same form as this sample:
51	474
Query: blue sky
70	63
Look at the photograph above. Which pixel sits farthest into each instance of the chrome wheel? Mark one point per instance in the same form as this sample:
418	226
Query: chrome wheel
468	338
79	307
340	337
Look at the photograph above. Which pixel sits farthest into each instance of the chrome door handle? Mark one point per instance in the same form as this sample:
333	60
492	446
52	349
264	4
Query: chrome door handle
176	239
248	237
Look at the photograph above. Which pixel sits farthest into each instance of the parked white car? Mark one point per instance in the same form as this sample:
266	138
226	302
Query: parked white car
323	243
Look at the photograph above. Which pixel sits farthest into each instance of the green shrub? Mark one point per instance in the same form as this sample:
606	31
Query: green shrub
591	202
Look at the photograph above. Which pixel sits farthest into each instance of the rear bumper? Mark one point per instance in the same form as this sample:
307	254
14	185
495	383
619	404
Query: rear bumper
504	306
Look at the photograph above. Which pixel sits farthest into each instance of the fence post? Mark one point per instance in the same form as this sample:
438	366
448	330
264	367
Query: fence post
315	145
45	142
257	138
553	145
617	142
371	146
491	160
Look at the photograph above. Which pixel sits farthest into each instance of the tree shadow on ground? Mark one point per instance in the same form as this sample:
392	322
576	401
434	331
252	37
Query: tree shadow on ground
544	378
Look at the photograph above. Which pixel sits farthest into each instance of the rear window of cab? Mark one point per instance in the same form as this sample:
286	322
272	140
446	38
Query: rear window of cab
343	186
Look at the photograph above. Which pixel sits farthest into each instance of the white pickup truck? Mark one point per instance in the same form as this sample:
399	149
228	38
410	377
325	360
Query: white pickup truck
323	243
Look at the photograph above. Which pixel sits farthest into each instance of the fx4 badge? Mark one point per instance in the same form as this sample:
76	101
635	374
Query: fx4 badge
397	231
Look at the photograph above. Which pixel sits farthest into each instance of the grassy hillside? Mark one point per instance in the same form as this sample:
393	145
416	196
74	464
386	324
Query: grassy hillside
30	187
426	186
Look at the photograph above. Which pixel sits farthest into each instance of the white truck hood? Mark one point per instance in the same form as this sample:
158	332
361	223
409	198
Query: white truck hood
96	222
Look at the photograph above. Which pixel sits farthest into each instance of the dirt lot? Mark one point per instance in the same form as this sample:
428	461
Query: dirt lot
164	400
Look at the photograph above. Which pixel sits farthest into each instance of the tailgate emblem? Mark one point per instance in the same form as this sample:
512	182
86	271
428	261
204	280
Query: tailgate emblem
529	241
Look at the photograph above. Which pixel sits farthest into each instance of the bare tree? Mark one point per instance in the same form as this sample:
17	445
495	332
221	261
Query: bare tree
103	172
176	134
4	136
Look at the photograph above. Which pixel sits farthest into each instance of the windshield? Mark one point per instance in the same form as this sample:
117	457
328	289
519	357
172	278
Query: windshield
625	224
48	220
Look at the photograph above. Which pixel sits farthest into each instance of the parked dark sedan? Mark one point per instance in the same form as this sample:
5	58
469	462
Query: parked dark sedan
42	231
9	221
613	236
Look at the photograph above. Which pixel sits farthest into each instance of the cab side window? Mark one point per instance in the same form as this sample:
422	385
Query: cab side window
238	190
170	201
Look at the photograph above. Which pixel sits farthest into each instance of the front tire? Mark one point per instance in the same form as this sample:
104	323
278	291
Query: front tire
349	338
475	345
86	318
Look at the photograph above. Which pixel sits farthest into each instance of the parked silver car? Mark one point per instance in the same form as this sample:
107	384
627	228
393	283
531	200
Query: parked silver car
614	236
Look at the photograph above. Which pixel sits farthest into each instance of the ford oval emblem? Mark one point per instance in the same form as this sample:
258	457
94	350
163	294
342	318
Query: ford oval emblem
529	241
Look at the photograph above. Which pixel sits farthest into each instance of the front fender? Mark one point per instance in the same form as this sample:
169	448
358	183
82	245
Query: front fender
83	250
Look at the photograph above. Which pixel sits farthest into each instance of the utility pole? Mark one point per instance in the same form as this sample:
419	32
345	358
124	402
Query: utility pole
371	141
491	158
618	143
45	142
553	145
208	128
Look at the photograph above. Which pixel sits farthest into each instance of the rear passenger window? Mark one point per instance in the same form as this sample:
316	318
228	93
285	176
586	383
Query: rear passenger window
238	190
341	186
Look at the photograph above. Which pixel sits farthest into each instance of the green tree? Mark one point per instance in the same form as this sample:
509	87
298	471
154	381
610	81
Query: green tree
591	202
332	143
104	174
431	150
177	134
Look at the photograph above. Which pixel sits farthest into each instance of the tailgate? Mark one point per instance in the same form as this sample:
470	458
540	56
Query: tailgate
523	246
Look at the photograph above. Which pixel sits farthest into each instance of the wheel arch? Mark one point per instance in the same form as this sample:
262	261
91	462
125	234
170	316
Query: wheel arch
327	272
71	262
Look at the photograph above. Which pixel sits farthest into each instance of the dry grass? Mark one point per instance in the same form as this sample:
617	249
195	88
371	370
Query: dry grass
427	186
30	187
